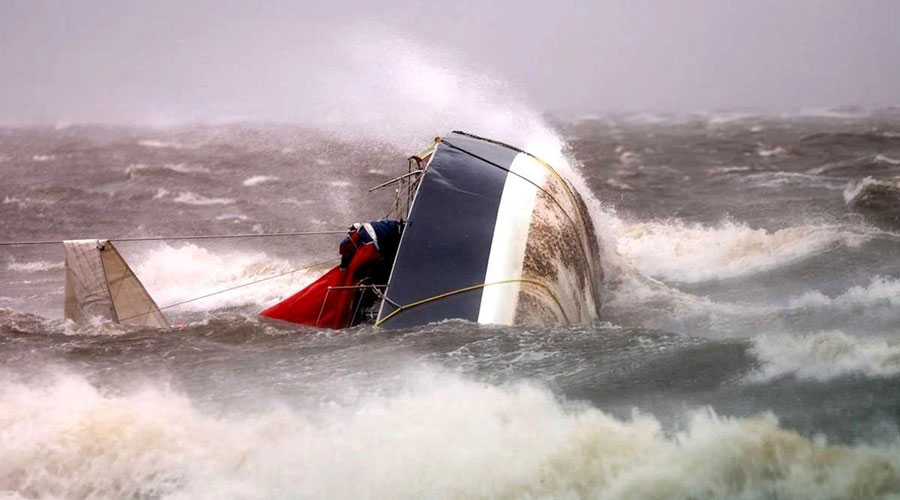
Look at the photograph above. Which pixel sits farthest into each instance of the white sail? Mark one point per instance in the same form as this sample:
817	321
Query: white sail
99	283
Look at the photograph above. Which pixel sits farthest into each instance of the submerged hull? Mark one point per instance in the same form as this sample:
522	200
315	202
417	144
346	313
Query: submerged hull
494	236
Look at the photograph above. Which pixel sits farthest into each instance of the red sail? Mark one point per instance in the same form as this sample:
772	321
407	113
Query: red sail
315	305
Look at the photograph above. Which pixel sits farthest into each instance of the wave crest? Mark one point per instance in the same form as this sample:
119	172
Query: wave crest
445	438
175	274
691	253
825	355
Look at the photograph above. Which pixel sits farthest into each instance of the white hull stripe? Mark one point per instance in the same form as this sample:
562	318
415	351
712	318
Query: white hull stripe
507	256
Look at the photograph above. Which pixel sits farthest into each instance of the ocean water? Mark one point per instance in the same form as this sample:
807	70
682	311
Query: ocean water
748	346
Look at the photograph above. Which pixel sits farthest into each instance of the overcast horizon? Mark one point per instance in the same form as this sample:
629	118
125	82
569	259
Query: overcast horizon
168	62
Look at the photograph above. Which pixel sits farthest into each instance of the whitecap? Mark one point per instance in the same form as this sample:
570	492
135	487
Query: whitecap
690	253
868	186
824	355
727	170
443	437
615	184
881	289
176	273
776	151
880	158
191	198
233	217
260	179
26	202
36	266
152	143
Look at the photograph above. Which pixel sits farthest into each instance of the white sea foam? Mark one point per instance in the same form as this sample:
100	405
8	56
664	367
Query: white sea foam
881	290
161	193
727	170
152	143
177	273
880	158
779	179
233	217
615	184
25	202
444	437
135	167
43	158
184	168
825	355
767	153
191	198
678	251
260	179
854	192
36	266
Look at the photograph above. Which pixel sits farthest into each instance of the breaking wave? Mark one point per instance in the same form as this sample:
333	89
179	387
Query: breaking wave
259	179
825	355
444	437
879	158
873	192
637	300
880	290
190	198
689	253
174	274
151	143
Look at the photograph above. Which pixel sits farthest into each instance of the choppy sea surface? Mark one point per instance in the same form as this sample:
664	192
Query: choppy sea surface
749	344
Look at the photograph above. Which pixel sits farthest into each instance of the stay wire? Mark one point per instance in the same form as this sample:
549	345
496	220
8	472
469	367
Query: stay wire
316	264
182	237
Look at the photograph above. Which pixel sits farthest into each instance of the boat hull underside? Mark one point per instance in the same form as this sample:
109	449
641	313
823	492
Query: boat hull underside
494	236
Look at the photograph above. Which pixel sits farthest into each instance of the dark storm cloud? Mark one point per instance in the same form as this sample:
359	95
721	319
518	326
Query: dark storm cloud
159	61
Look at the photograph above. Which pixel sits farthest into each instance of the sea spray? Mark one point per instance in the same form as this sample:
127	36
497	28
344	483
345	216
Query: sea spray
180	272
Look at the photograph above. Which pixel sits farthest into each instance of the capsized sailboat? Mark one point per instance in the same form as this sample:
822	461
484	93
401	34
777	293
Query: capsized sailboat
481	231
489	234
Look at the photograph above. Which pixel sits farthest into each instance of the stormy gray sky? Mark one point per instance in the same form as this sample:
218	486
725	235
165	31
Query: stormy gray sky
170	61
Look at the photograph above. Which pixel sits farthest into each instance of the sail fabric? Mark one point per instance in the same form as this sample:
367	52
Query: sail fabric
99	283
317	305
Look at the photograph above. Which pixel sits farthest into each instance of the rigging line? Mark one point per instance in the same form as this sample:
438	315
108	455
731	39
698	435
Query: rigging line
526	179
575	203
549	167
582	229
444	295
182	237
234	288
